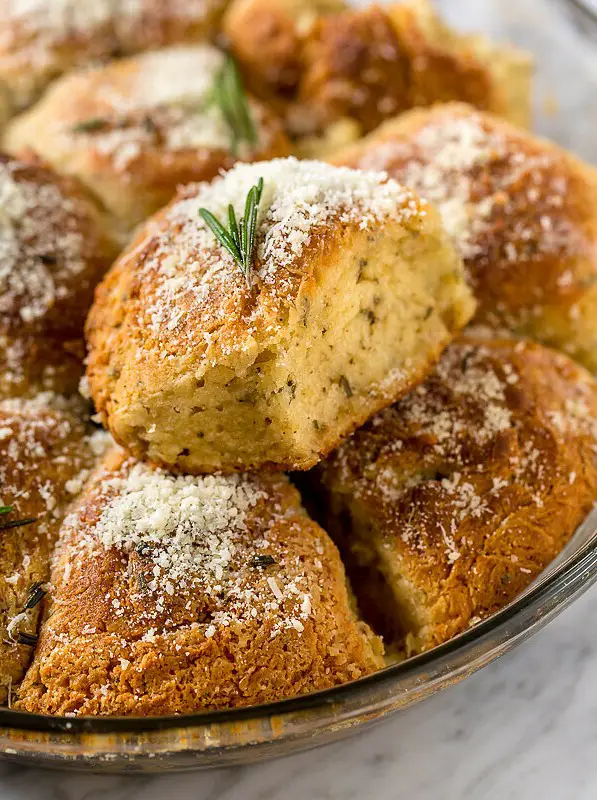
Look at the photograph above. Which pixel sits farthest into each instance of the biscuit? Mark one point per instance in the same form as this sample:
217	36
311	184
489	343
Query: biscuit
521	210
55	246
33	364
135	129
267	38
448	504
369	64
354	291
45	454
179	594
43	40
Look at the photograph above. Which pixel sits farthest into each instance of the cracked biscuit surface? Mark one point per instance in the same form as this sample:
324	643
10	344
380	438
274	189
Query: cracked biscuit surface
447	505
353	292
135	129
520	209
181	594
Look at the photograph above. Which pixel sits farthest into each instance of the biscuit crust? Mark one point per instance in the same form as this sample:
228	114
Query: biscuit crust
267	39
33	364
448	504
520	209
262	615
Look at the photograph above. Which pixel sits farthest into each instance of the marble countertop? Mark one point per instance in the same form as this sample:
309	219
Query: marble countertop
523	728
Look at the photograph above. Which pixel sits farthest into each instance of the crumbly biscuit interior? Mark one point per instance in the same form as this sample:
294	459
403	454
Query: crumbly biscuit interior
333	364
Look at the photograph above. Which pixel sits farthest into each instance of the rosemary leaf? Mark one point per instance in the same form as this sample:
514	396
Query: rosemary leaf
345	385
15	523
90	125
221	234
242	105
35	596
263	561
29	639
250	224
233	225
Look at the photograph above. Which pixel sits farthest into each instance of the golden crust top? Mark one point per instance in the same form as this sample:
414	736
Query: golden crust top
44	457
371	63
476	480
33	364
185	294
54	247
41	451
134	130
267	36
192	593
355	67
42	40
521	210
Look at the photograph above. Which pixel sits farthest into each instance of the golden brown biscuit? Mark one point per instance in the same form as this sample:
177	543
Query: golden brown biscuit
45	455
354	291
179	594
33	364
42	40
55	245
135	129
522	211
450	503
267	38
369	64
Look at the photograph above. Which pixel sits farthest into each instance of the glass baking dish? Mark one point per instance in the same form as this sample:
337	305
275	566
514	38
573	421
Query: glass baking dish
566	110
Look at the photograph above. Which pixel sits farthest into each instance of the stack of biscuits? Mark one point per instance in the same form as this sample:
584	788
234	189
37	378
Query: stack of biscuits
298	335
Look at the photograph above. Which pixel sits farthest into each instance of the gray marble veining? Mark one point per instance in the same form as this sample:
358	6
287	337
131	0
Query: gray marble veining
524	728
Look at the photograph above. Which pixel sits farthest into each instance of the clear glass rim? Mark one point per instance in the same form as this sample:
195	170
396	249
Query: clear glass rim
570	577
579	7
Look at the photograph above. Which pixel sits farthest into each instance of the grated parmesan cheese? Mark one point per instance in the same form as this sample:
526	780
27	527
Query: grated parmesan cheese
184	521
162	101
40	246
300	199
195	539
474	174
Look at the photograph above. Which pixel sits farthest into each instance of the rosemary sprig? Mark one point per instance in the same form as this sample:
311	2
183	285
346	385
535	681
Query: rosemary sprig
14	523
228	92
239	239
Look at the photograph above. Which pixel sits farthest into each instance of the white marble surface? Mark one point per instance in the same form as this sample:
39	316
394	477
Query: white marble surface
524	728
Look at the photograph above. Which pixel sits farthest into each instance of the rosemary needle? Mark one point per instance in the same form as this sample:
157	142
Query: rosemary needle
14	523
35	596
90	125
